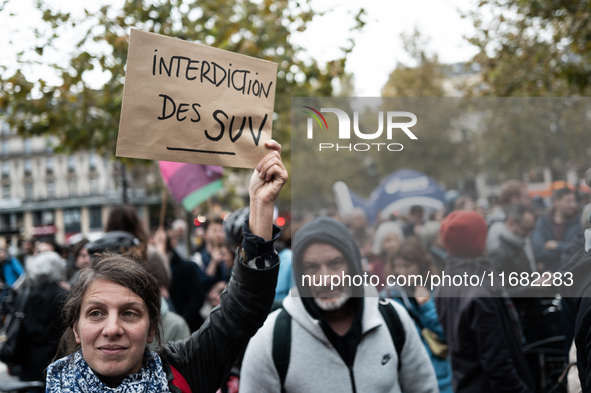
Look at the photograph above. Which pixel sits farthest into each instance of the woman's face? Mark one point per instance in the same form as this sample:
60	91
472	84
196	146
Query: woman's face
390	243
83	260
113	330
402	267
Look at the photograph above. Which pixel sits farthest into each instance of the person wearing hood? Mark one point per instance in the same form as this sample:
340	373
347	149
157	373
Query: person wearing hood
339	340
481	326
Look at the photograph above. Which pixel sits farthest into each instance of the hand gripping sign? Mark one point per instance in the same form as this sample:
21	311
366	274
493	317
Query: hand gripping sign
188	102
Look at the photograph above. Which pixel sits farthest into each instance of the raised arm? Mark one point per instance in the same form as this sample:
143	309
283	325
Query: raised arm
205	358
267	180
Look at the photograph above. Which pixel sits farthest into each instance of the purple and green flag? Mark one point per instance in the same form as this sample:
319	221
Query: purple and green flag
191	184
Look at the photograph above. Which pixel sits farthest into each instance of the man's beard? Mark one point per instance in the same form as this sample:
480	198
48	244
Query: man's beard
334	304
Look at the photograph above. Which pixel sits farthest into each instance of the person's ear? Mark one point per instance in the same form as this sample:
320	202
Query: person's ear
151	335
76	334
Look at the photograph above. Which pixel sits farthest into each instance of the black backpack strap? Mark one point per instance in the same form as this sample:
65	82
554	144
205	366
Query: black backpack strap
394	326
282	344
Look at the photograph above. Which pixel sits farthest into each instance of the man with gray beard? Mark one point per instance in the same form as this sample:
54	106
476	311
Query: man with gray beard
339	338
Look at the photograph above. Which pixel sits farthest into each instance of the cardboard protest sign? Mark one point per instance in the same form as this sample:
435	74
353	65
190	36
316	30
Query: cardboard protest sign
188	102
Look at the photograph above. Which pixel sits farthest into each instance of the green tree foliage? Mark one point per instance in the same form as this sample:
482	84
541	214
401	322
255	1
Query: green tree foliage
446	149
423	80
85	117
534	48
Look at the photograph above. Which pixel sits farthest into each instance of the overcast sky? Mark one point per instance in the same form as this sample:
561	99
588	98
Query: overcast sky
378	47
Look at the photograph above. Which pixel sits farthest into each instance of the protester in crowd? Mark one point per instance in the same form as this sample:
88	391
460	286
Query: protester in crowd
464	202
514	254
578	295
27	251
410	261
555	229
386	241
212	299
11	268
233	235
578	241
174	326
114	311
179	228
437	215
42	325
284	281
479	322
513	192
123	229
49	244
482	207
415	221
358	225
213	238
335	338
81	260
431	239
568	315
513	251
186	290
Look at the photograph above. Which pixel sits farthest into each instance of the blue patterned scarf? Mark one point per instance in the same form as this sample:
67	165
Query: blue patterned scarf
72	374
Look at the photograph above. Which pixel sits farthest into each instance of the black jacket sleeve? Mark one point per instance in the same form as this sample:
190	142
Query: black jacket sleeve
205	358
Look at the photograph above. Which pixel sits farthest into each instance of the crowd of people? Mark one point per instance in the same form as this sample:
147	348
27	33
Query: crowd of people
484	338
383	337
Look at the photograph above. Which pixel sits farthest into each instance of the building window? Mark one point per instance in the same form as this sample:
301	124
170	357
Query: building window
5	169
27	146
73	187
50	190
5	148
92	161
95	217
28	191
4	222
5	192
71	164
37	218
49	164
28	167
94	188
47	217
72	220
